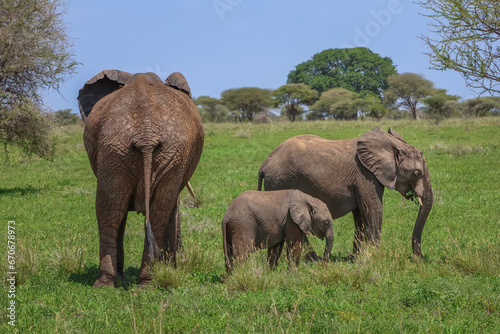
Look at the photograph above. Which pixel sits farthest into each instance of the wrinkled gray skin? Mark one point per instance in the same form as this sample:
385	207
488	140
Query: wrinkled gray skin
257	220
144	140
349	175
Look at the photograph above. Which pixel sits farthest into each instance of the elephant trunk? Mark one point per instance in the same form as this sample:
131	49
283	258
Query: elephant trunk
426	201
328	247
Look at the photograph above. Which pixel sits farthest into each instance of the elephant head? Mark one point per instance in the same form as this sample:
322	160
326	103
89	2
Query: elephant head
178	81
400	166
313	216
108	81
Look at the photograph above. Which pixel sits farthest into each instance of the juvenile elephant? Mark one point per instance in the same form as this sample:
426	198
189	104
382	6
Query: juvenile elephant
144	139
349	175
256	220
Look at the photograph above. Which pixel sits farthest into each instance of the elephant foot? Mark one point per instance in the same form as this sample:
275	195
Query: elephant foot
312	257
144	277
104	281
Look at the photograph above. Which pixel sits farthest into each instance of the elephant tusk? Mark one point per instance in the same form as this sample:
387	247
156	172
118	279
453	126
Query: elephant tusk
420	200
191	191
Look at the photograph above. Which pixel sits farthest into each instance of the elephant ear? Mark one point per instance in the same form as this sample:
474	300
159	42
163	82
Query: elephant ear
177	81
301	211
99	86
378	153
395	134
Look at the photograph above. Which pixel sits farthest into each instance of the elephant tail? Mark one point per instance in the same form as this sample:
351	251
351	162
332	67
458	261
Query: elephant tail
261	177
227	257
151	244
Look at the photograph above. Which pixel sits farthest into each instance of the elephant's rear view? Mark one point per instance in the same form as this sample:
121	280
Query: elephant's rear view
144	140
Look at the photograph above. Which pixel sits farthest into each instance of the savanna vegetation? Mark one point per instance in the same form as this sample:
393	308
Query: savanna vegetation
454	288
48	189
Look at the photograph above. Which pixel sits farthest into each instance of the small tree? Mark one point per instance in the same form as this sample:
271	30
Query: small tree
35	55
211	109
27	128
338	103
481	106
439	104
65	117
292	97
407	90
247	102
468	33
372	106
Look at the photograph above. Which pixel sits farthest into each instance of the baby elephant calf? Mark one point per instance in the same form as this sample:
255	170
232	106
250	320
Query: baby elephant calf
258	219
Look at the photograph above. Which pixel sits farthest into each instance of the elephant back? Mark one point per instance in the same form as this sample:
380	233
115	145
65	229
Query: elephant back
99	86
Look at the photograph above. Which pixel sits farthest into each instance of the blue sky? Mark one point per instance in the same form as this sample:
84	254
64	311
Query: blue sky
222	44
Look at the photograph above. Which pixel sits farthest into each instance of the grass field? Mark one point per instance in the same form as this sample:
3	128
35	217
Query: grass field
454	289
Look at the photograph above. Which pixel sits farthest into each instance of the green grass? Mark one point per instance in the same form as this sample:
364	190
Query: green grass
454	289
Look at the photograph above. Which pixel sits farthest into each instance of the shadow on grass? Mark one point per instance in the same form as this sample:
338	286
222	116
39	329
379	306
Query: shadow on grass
312	257
342	258
89	275
20	191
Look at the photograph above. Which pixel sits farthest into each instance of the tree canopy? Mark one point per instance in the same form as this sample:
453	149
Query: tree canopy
467	36
372	105
338	103
35	55
247	102
356	69
211	109
440	104
481	106
292	97
407	90
35	52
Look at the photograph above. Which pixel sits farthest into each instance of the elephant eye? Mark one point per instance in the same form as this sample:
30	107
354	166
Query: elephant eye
327	222
417	173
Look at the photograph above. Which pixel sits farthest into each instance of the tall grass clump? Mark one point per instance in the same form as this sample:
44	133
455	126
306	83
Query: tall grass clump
165	276
68	257
26	263
253	274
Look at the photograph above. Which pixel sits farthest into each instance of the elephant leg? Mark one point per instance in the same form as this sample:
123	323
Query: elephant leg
368	218
111	211
163	216
243	244
120	254
359	232
294	238
311	254
273	254
159	225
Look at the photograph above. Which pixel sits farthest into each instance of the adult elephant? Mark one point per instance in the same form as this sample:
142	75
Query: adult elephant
144	140
349	175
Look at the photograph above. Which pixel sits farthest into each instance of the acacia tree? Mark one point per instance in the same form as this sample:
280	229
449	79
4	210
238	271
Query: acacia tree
371	105
407	90
35	55
292	97
481	106
338	103
441	105
247	102
468	33
211	109
356	69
